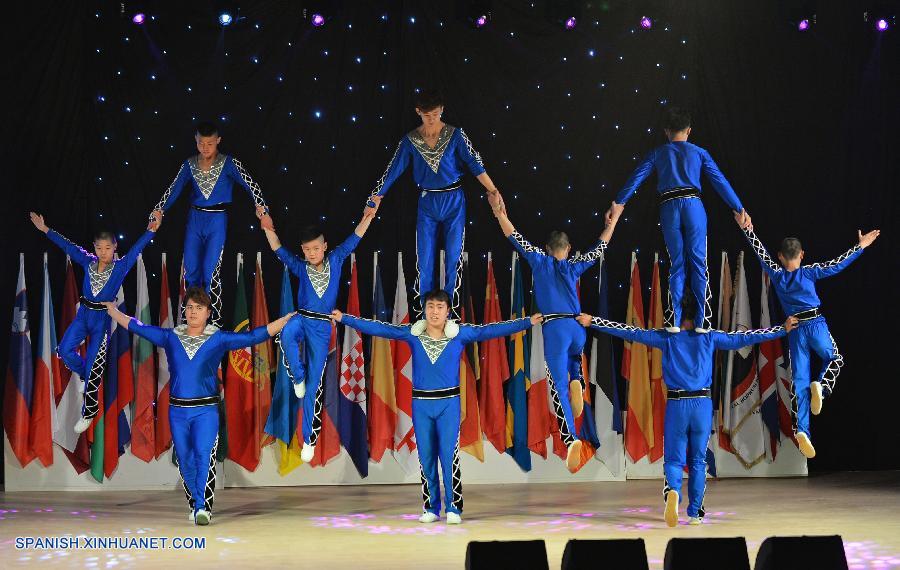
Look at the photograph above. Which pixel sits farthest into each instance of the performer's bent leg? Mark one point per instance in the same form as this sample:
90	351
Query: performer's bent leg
96	357
71	340
693	223
577	337
824	346
558	383
426	236
204	438
425	426
670	222
447	423
799	349
700	426
291	336
317	339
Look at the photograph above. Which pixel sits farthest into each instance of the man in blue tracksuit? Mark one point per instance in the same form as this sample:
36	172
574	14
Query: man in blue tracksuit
212	177
678	165
439	154
103	276
687	367
555	279
795	286
195	351
437	345
319	275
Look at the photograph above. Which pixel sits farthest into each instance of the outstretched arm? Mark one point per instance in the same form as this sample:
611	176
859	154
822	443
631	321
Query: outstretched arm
719	182
372	327
242	177
395	168
472	333
155	335
765	260
78	255
838	264
584	261
172	192
130	258
654	338
234	340
740	339
367	217
637	177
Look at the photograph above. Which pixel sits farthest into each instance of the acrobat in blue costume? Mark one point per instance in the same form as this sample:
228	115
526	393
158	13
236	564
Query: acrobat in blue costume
438	172
687	367
556	294
796	290
204	238
91	321
678	165
435	404
193	401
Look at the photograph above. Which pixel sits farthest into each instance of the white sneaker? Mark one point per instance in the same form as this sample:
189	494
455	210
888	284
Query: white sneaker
815	398
695	521
805	445
453	518
82	424
306	454
300	389
701	330
203	517
671	512
191	516
673	329
429	517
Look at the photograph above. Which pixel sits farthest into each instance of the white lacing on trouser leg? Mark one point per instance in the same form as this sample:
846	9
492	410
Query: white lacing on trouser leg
215	292
829	377
666	488
187	494
794	408
707	308
95	377
317	409
426	496
457	501
455	298
209	492
284	359
670	311
417	296
564	433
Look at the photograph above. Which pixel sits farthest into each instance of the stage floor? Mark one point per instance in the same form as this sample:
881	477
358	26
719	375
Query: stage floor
375	526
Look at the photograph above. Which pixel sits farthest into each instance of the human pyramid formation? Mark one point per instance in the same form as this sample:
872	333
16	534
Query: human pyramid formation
439	153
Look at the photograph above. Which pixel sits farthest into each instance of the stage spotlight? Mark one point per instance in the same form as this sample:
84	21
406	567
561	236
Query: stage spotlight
646	23
481	20
317	20
571	22
225	19
882	24
803	25
880	19
138	18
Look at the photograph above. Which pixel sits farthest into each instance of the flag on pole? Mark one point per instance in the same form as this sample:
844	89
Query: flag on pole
263	359
540	420
163	436
518	384
636	369
17	396
329	445
404	444
352	426
143	428
383	400
657	382
773	373
46	381
742	417
470	433
494	368
719	392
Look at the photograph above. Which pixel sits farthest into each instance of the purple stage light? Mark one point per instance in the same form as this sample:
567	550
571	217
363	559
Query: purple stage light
570	23
803	25
881	25
646	23
318	20
481	21
138	18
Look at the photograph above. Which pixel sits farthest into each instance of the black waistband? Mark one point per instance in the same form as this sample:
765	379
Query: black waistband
555	316
685	394
808	314
92	305
452	186
435	394
675	193
314	315
221	207
193	402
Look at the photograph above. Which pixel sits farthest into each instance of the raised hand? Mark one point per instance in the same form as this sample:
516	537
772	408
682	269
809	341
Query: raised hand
865	240
743	219
266	223
154	224
336	316
38	221
368	211
612	215
584	320
261	211
157	215
495	199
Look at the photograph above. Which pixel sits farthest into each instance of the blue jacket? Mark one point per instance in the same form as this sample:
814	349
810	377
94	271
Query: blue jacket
213	186
318	290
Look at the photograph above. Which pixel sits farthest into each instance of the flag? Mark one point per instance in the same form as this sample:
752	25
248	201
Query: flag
163	435
383	399
495	370
351	408
143	430
470	433
607	410
404	444
541	420
68	399
263	359
518	384
742	416
719	393
282	420
46	381
329	445
635	368
657	382
773	373
17	395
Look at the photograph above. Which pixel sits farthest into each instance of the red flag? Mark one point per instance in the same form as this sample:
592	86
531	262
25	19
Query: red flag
263	359
46	380
657	382
470	433
19	376
382	401
143	430
163	434
329	445
494	370
240	390
636	368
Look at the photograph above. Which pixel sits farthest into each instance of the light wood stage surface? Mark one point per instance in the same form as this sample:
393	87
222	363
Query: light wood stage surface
375	526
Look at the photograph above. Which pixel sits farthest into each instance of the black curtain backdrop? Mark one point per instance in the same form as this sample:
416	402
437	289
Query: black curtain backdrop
100	114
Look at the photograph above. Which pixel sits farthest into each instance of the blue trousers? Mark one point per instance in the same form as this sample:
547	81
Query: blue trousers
683	222
204	242
563	344
448	210
687	428
812	337
92	326
436	423
195	435
315	335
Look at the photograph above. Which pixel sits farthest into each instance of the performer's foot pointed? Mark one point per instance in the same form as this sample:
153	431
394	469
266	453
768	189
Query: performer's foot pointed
300	389
695	521
454	518
671	508
428	517
815	398
673	329
306	454
576	397
82	424
202	517
573	456
805	445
